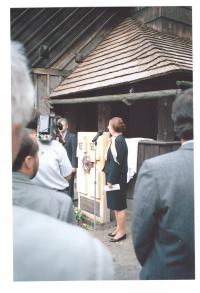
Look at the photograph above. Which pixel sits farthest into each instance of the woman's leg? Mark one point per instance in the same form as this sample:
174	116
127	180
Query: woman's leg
117	226
120	218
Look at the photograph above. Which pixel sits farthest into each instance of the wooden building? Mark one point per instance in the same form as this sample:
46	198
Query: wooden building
95	63
94	52
131	59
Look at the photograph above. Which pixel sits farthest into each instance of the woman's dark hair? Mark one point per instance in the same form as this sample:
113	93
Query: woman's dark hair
28	147
117	124
182	115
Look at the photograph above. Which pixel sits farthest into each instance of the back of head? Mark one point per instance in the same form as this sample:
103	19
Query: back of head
22	91
28	147
117	124
182	115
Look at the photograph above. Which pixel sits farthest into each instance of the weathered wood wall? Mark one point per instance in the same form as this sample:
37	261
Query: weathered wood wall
149	149
45	80
176	20
165	124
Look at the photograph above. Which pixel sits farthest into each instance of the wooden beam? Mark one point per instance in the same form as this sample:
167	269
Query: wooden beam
51	71
128	98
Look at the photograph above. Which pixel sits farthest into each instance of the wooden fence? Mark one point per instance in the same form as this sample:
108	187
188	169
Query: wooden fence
148	149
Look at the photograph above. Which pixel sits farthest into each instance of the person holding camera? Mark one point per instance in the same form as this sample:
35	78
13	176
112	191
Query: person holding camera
55	168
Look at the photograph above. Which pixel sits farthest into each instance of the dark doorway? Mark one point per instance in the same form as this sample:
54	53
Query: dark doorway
141	118
81	117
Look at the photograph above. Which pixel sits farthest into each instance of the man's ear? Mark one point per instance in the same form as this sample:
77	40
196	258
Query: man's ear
28	162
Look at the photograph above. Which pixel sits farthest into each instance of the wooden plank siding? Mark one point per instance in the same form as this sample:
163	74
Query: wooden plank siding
64	30
43	85
167	19
147	150
131	52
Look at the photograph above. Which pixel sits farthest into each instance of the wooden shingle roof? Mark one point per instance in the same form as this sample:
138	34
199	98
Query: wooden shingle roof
131	52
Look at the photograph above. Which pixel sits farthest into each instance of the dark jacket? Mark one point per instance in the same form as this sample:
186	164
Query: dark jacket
163	216
117	173
71	146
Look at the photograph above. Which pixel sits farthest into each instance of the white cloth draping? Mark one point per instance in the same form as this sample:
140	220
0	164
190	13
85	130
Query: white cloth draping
132	144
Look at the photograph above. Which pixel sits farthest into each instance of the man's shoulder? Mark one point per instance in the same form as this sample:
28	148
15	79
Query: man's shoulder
35	233
38	222
29	189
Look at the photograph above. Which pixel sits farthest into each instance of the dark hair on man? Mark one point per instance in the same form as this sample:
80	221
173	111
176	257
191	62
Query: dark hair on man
117	124
182	115
28	147
32	124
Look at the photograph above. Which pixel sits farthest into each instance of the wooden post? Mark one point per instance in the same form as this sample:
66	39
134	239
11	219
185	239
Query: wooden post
165	124
104	112
42	94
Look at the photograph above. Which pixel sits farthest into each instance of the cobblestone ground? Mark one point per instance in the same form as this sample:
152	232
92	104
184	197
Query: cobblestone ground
125	263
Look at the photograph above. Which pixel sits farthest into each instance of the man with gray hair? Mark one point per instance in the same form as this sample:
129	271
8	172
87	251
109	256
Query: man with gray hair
44	248
163	216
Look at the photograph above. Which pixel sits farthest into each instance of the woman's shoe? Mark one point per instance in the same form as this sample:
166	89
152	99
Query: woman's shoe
111	234
118	239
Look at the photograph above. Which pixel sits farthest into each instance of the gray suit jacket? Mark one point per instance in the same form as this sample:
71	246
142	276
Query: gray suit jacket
163	216
41	199
46	249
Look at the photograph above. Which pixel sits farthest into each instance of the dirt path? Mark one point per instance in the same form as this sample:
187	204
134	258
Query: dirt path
125	262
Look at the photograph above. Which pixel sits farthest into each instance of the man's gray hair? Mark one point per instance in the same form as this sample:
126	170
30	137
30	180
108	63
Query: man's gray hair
22	91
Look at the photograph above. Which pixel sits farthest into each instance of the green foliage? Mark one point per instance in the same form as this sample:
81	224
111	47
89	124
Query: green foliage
80	218
79	215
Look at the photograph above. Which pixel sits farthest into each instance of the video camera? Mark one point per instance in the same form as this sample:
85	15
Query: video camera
48	128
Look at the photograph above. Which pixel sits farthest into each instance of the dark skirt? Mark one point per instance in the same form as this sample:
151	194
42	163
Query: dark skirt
116	199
